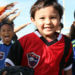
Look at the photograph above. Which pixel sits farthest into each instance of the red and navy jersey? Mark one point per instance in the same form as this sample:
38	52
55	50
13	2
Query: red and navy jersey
35	51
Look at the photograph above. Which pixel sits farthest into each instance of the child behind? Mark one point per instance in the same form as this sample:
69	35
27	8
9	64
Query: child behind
72	37
6	33
43	49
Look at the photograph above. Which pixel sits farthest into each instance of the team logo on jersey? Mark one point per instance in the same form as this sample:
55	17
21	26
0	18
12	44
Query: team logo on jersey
1	55
33	59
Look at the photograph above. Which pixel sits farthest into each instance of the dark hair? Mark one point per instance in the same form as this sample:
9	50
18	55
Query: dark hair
7	21
46	0
72	31
45	3
61	25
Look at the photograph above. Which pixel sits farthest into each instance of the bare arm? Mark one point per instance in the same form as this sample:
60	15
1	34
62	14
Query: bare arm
69	72
9	6
20	27
11	18
3	16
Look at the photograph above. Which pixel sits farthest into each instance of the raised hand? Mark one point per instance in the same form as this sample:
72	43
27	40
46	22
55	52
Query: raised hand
9	6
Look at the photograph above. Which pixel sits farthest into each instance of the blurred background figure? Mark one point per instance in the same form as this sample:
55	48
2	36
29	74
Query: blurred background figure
7	7
6	34
72	37
5	15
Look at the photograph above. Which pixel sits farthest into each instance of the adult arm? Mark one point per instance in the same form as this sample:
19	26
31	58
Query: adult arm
20	27
69	72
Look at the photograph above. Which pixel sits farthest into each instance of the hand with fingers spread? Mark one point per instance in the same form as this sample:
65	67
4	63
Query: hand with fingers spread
9	6
14	16
13	11
3	16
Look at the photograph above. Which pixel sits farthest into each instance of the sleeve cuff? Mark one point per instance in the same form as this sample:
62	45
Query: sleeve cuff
9	61
67	68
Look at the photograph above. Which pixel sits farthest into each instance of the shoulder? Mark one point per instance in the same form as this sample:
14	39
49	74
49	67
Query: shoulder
27	37
1	42
65	37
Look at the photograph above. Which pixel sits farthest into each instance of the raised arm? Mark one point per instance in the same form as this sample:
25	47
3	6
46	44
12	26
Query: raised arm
20	27
7	14
11	18
9	6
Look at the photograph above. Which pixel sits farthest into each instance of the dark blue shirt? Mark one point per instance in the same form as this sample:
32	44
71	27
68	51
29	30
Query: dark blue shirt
4	49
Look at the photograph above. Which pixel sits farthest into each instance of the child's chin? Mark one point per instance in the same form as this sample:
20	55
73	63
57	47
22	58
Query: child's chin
7	40
48	33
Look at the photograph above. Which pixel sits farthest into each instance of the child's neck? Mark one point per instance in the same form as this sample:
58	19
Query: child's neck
7	43
50	38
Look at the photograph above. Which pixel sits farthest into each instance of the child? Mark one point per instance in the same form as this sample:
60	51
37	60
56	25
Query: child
9	18
72	36
43	49
6	33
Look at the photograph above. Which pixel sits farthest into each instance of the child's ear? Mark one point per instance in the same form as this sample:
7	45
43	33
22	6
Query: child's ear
33	20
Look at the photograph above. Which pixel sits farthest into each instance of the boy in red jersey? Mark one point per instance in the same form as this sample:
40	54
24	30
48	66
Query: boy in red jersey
43	49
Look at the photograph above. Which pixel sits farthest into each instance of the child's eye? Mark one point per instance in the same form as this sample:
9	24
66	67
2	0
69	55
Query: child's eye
9	30
42	18
53	17
3	30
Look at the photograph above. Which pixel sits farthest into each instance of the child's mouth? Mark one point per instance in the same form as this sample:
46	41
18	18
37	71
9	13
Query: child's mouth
7	37
48	28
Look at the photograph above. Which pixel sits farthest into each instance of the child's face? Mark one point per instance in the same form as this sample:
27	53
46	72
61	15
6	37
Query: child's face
6	33
46	20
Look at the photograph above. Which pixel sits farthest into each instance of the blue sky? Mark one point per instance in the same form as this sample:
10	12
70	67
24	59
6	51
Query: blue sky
24	17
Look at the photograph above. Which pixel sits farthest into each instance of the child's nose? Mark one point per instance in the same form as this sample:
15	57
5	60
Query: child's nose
6	31
48	21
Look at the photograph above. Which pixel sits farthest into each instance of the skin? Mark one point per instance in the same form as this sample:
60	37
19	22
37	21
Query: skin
47	22
69	72
59	29
6	33
9	6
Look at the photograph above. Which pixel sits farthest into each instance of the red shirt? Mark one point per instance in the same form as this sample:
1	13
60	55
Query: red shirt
38	53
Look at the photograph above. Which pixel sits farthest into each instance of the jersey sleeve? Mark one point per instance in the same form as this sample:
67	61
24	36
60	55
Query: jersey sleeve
15	54
68	60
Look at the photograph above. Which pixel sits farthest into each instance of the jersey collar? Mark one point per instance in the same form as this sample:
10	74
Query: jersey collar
45	41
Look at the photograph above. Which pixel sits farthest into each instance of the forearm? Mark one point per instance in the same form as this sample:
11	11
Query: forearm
20	27
69	72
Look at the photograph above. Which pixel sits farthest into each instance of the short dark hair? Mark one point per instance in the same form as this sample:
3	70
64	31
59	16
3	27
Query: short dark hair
72	31
61	25
45	3
7	21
